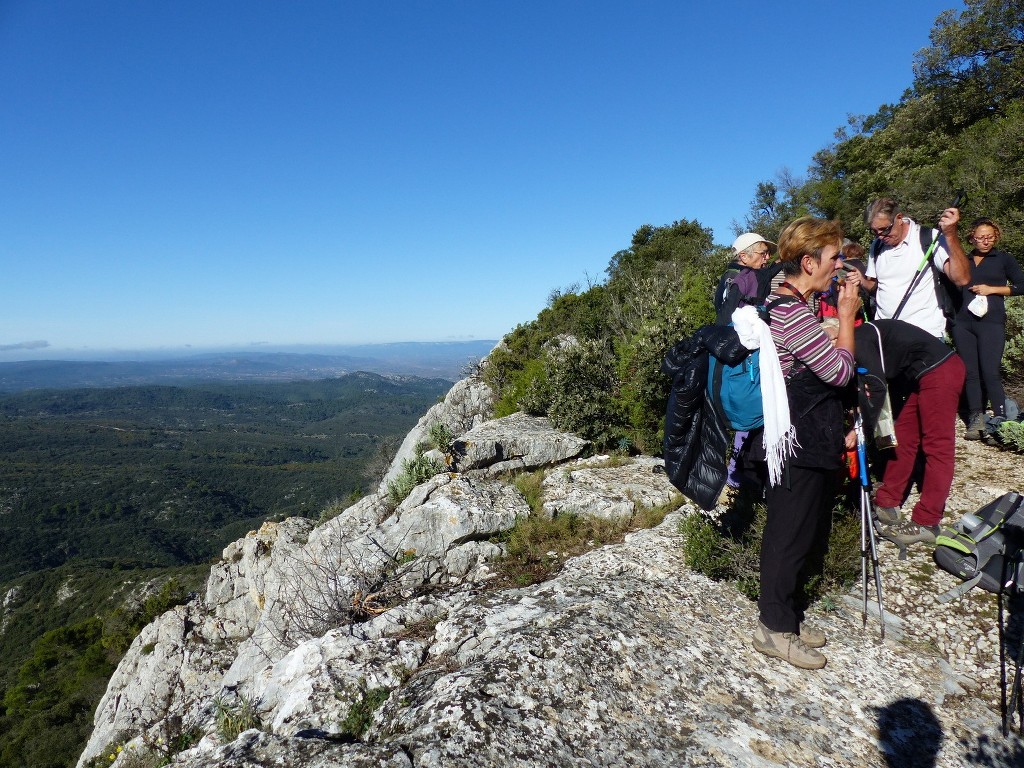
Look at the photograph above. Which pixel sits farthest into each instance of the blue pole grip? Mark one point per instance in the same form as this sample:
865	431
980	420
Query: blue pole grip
862	462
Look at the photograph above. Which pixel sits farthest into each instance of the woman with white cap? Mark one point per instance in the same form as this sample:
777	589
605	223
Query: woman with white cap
742	284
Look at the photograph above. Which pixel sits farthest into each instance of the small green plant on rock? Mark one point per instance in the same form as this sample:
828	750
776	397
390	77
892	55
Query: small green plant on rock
414	472
531	485
441	437
234	718
1010	436
360	714
537	546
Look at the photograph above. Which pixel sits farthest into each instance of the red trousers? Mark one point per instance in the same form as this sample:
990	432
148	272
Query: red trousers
927	424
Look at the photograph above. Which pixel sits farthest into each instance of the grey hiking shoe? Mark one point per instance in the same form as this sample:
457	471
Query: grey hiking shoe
976	427
812	637
908	532
888	515
787	646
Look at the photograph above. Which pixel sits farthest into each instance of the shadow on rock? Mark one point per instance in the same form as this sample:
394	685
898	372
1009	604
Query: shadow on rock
909	734
984	750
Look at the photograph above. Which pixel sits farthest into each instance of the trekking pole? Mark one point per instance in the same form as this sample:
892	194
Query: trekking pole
1016	704
868	542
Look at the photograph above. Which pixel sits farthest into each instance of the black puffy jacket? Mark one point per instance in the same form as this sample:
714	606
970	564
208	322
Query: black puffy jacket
696	438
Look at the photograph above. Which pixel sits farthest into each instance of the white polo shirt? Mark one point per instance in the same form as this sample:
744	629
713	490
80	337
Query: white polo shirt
894	269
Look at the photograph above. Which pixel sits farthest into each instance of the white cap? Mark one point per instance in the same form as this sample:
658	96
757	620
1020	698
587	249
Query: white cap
748	239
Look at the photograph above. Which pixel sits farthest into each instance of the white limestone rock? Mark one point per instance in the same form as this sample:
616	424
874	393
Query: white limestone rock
177	662
256	749
612	489
516	442
625	658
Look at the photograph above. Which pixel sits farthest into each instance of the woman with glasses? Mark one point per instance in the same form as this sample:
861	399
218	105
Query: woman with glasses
979	328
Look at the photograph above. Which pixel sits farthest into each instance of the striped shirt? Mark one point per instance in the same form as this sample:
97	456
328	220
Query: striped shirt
799	336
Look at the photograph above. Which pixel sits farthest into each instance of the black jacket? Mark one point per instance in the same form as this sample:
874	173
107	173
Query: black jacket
696	438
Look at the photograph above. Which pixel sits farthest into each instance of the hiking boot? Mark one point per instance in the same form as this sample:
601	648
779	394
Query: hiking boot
908	532
888	515
787	646
976	427
812	637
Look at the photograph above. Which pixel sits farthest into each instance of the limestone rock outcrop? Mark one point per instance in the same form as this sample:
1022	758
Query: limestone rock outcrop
469	403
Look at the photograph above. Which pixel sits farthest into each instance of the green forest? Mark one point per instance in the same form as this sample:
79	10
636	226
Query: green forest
116	501
147	476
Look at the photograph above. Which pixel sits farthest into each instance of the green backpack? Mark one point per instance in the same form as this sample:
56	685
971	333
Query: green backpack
985	548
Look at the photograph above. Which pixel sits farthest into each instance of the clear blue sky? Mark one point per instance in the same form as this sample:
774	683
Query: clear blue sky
211	173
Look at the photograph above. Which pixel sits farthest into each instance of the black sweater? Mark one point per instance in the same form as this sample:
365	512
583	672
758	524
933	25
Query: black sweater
997	268
910	352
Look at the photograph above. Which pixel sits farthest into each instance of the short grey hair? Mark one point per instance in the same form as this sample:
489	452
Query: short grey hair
883	206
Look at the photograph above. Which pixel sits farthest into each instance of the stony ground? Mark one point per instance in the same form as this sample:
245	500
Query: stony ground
965	632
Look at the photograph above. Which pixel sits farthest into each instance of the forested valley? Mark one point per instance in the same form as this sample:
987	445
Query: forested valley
114	502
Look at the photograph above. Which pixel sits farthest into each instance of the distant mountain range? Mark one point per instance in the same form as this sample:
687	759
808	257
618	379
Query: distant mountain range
445	360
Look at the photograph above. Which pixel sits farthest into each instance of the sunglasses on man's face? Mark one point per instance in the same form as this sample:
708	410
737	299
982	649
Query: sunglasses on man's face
884	232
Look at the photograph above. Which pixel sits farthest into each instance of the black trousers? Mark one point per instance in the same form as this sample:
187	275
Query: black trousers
795	536
981	346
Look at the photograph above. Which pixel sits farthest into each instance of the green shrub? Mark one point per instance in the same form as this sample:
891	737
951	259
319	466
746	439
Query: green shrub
1011	435
1013	355
504	372
527	390
440	437
729	549
583	385
705	549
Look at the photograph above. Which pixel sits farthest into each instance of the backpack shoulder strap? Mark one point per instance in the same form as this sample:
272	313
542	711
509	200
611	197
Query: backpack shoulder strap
929	240
946	292
765	275
876	248
730	300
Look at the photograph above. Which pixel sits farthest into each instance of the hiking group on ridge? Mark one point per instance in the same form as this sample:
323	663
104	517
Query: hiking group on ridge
816	319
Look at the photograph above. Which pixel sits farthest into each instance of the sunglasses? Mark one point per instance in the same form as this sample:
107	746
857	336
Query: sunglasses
885	231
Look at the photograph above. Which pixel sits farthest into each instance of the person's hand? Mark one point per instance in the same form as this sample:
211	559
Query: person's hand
982	290
851	439
849	295
948	222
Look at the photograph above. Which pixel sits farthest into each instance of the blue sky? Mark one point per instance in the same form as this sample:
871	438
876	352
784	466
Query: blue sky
210	174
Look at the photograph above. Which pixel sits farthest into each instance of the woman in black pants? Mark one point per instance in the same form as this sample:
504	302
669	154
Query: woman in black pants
980	332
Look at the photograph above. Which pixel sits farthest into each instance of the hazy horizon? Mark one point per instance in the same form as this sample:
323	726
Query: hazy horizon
17	355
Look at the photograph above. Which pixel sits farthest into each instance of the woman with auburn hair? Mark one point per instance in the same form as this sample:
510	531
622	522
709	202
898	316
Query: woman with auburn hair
799	498
979	328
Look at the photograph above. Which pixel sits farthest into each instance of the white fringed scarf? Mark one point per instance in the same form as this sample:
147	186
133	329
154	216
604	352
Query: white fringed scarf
779	434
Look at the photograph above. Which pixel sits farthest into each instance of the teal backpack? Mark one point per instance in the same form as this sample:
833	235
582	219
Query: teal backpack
735	391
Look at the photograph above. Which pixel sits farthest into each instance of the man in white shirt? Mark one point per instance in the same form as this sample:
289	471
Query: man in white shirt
894	259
